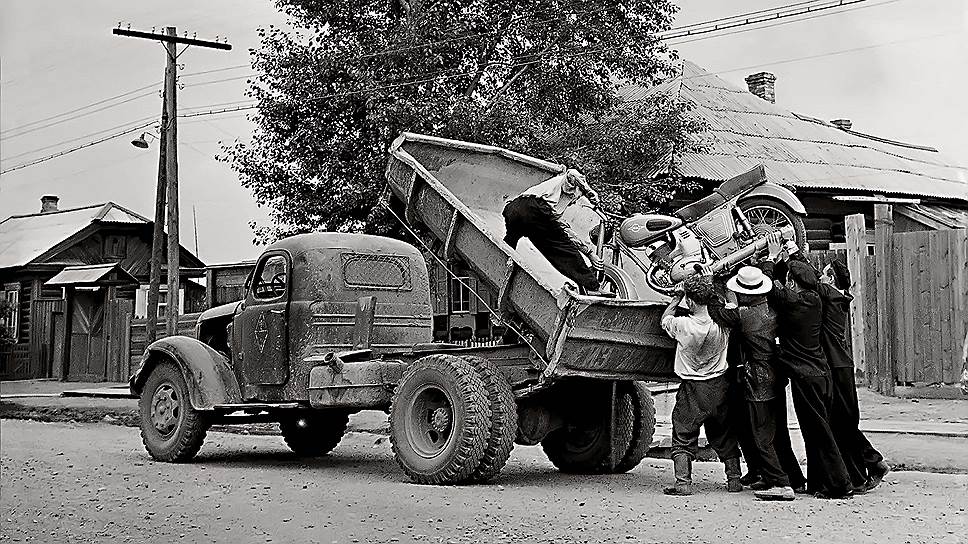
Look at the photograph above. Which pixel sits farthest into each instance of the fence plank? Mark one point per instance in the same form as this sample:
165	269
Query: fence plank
884	238
857	265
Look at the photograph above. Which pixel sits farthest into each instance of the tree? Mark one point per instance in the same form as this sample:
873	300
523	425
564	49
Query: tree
537	76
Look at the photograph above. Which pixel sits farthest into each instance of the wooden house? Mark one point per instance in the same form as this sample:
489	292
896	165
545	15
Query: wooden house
71	281
835	169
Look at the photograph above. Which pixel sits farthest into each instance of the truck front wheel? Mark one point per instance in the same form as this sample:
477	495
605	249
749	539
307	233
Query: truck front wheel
171	429
440	420
314	433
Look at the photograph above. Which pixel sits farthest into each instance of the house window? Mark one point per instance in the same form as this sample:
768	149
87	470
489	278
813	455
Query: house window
141	301
460	295
10	312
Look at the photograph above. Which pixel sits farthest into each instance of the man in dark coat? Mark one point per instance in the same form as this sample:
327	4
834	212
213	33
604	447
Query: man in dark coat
799	319
753	325
865	465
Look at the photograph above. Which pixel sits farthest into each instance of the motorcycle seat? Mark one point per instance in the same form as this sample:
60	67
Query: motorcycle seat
742	183
701	207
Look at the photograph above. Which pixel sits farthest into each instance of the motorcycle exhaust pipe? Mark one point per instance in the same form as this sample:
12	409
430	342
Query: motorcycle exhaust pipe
727	262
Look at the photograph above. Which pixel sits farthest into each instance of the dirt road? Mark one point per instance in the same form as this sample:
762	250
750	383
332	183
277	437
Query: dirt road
94	483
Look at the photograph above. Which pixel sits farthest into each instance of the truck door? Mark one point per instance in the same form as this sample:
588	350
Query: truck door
262	324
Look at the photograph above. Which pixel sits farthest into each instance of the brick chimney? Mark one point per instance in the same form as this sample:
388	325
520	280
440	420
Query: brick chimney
843	124
48	203
761	84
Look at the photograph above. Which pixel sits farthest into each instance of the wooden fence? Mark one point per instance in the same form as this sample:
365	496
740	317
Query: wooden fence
910	311
138	336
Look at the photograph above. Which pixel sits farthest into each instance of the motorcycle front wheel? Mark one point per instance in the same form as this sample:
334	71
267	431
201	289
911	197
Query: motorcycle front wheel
767	215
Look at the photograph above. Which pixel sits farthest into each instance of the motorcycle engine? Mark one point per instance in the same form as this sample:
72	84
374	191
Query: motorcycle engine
658	252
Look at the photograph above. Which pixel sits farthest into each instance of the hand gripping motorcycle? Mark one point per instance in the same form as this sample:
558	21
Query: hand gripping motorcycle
717	232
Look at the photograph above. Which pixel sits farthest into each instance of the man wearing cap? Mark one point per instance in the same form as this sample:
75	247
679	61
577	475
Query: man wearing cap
799	319
865	465
753	324
700	362
537	215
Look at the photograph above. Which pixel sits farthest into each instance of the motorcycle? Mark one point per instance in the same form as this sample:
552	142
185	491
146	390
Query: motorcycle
716	232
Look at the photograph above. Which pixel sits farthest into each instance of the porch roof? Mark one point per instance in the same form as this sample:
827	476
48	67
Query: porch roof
92	275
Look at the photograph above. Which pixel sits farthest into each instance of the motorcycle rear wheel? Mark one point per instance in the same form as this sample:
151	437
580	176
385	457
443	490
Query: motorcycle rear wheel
767	215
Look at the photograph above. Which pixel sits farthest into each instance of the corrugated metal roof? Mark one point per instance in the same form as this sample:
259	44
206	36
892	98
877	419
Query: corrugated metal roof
23	238
797	150
93	274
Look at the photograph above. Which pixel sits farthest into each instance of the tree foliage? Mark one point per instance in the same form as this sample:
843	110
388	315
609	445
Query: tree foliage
537	76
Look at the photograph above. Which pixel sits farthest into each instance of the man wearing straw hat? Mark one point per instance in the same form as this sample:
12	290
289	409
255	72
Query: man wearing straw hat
753	323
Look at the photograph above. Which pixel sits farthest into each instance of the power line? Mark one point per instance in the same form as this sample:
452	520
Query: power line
781	23
73	149
230	107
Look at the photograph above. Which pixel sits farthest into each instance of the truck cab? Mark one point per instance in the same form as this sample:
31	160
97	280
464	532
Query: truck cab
312	294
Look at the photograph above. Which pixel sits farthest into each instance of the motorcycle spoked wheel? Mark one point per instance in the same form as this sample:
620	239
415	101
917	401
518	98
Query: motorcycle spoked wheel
767	215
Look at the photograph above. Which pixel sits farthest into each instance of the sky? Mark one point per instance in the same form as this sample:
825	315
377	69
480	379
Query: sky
897	68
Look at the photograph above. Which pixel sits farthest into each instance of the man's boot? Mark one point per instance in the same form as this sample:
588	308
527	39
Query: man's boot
682	465
733	473
750	478
876	474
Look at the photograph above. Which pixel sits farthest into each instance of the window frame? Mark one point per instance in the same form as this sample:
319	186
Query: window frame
13	322
462	304
253	296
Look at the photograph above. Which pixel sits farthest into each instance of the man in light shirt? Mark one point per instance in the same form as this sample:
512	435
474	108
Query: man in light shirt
536	215
701	399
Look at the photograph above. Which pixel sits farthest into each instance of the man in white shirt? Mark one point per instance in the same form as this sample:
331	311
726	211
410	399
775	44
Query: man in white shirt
536	214
701	399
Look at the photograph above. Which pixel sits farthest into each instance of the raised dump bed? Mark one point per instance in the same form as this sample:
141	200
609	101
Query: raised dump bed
458	191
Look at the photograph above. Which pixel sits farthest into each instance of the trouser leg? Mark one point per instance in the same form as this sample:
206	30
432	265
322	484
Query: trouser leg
566	258
826	471
782	445
718	420
763	423
686	420
845	422
739	421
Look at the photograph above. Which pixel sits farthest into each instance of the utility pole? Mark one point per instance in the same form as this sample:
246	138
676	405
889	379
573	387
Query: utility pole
167	189
171	172
158	234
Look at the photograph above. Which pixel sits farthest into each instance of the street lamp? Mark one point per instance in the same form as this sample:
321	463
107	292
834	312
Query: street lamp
142	141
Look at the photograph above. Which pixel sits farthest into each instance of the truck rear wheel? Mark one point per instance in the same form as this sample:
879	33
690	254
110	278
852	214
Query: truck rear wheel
315	433
171	429
643	426
504	419
440	420
585	445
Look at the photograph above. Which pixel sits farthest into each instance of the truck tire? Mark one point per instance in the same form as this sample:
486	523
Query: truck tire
440	420
171	430
504	419
315	433
584	444
643	426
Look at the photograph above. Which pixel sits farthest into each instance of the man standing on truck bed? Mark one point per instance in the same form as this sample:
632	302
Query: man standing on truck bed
536	214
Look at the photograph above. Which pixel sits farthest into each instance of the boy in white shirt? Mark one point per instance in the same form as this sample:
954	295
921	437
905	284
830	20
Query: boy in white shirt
701	399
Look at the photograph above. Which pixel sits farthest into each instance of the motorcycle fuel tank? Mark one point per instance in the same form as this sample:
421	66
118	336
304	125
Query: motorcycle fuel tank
640	229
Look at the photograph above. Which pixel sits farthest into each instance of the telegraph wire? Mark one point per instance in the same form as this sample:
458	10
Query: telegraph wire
77	148
231	107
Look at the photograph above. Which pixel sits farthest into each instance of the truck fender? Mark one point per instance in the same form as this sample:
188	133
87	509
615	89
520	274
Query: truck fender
207	373
777	192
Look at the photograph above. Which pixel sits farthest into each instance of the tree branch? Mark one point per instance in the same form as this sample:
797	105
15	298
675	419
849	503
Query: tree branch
485	60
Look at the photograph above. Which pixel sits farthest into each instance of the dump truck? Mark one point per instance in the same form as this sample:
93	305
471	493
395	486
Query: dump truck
335	323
